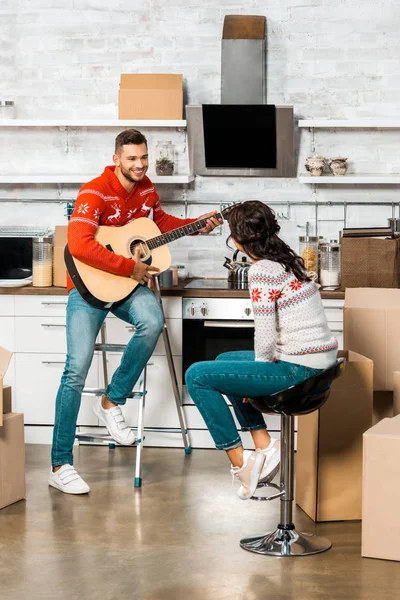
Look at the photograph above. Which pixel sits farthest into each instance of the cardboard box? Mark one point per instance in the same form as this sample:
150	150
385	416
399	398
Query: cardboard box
59	268
150	96
371	327
396	393
12	459
381	491
329	446
370	262
5	391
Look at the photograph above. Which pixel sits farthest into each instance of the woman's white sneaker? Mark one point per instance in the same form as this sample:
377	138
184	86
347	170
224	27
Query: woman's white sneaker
249	473
114	420
272	460
67	480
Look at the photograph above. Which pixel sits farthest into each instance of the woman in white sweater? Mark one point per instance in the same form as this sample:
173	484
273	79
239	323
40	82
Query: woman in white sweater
292	342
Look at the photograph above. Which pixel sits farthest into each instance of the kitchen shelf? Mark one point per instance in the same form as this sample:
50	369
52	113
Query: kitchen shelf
350	123
89	123
367	179
59	179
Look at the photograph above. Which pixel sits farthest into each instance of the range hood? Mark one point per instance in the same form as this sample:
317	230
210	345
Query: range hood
243	136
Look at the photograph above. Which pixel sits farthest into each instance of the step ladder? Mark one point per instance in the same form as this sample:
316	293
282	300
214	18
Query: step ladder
104	347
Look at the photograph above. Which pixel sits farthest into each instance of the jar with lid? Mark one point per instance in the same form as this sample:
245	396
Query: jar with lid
330	265
182	272
42	262
7	109
165	158
308	246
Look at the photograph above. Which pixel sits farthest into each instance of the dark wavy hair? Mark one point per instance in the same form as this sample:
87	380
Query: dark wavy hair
127	137
254	226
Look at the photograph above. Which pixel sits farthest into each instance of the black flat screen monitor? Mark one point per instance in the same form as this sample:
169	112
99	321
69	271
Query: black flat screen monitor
239	136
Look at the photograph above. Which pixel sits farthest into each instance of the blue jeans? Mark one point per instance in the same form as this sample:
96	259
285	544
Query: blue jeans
141	310
238	375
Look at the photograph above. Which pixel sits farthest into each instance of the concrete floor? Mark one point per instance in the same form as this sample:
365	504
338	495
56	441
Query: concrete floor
175	538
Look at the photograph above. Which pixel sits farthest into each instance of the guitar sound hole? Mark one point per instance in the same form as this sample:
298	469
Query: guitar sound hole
145	255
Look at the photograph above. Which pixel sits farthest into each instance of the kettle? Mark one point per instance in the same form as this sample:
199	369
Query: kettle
238	271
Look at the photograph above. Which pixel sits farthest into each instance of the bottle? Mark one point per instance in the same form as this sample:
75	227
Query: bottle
182	272
42	262
165	158
330	265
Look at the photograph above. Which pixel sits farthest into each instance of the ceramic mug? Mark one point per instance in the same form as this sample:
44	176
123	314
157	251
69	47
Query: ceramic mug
337	166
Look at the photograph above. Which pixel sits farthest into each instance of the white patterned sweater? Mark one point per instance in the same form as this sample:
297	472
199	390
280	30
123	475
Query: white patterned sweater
289	319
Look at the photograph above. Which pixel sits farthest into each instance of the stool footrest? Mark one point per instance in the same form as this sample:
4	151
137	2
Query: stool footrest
286	542
101	391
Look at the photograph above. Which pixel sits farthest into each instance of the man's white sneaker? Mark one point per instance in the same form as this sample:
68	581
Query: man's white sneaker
67	480
272	460
114	420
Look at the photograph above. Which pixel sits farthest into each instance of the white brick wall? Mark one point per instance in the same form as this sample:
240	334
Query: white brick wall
329	58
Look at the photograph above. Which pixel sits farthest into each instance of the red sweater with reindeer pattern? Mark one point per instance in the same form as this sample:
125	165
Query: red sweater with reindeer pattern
104	201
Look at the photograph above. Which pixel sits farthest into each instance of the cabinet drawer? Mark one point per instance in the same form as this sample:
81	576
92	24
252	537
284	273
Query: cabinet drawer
6	305
7	334
40	334
119	332
37	379
172	307
37	306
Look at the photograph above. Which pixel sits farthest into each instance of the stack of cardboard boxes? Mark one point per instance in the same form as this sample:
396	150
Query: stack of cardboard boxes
348	452
12	449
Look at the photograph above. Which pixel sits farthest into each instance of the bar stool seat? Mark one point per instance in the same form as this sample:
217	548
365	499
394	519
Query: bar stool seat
299	399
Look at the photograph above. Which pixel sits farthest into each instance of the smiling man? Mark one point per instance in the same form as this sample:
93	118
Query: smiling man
120	195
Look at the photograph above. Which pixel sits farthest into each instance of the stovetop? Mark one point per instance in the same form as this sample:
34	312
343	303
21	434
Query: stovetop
212	284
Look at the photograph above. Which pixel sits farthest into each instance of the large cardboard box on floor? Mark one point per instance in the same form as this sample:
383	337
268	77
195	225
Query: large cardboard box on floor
150	96
381	491
371	325
5	390
59	268
12	459
329	445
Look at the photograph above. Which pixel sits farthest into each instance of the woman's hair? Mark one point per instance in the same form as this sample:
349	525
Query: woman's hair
254	226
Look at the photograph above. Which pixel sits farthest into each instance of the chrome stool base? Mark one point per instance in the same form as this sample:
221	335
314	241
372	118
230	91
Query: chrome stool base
286	542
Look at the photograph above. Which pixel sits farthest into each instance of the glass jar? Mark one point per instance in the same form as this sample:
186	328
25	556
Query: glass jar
308	246
7	109
330	265
42	262
165	158
182	272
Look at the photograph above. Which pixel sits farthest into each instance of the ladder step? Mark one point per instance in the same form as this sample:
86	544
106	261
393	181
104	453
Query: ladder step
101	391
110	347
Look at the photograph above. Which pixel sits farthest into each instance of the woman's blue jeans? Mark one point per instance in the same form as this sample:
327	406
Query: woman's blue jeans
141	310
237	375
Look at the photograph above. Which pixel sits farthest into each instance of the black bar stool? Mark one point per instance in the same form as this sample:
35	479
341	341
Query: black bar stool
300	399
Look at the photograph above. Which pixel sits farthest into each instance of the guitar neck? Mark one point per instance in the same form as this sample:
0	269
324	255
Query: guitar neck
175	234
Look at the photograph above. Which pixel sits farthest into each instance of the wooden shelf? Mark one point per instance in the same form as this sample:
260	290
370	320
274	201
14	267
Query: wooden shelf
364	179
350	123
80	179
88	123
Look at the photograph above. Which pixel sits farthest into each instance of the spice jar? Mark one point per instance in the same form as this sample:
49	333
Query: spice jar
330	265
309	252
42	262
165	158
182	272
7	109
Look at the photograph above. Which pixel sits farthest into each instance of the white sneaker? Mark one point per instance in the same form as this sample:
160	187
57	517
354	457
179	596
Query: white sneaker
249	473
114	420
67	480
272	460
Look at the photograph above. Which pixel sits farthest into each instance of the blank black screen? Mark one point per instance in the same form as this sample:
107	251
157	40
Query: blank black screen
15	257
239	136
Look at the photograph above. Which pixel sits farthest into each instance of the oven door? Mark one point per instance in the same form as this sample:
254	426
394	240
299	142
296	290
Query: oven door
205	339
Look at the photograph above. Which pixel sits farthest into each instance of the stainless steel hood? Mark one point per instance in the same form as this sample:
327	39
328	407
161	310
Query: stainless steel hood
243	84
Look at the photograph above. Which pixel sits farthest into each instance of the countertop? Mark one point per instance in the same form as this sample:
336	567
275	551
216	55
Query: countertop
178	290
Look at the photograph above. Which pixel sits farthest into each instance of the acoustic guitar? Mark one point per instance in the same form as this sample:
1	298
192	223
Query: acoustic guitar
101	288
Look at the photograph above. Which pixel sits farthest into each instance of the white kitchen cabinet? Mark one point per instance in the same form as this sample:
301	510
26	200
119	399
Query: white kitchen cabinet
40	306
37	379
6	305
7	333
40	334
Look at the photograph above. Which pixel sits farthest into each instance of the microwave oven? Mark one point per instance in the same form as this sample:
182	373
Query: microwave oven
16	246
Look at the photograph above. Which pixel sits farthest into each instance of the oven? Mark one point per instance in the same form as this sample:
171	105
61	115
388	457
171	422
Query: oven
215	325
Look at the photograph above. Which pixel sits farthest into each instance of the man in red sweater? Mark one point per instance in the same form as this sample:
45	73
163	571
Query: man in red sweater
120	195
